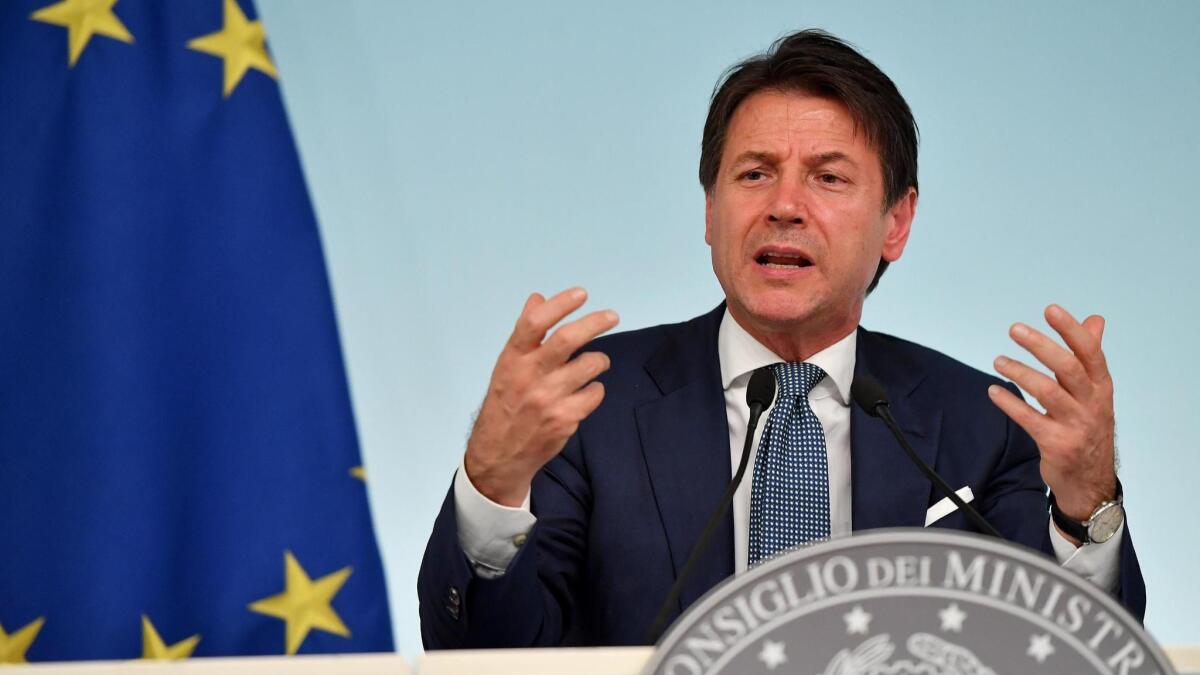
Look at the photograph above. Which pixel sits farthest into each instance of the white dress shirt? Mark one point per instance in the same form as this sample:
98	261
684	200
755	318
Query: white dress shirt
491	534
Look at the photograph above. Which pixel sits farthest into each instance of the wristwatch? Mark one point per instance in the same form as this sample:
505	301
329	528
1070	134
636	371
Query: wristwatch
1099	527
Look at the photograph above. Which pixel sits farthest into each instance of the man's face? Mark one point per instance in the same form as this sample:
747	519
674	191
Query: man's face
796	218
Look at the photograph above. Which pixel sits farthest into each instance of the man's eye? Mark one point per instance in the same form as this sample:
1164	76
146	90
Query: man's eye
830	179
754	174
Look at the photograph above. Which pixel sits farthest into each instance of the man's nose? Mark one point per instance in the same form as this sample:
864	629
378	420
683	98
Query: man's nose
787	205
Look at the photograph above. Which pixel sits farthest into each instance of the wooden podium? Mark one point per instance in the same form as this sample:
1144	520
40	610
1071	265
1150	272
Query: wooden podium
582	661
615	661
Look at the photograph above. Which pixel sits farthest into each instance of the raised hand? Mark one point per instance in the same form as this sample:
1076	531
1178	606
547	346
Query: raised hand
537	396
1076	433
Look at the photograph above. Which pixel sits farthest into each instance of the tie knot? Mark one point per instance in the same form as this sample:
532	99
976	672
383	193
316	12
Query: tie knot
797	379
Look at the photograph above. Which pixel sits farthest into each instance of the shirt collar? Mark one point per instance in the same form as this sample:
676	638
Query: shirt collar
741	354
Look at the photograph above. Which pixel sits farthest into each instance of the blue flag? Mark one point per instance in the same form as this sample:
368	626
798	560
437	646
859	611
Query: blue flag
179	470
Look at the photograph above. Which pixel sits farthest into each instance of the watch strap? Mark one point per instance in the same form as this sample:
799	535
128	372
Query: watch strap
1074	528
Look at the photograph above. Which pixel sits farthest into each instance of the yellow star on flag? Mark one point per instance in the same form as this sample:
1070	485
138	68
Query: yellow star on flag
154	648
304	604
241	43
83	19
13	647
358	472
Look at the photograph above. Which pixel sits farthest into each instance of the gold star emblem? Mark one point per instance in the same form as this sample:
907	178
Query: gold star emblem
359	472
241	43
304	604
13	647
155	649
83	19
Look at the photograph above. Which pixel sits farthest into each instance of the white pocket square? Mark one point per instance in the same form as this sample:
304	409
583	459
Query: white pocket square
946	507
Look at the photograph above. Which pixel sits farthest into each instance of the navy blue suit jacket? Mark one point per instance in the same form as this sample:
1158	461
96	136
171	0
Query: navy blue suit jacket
620	508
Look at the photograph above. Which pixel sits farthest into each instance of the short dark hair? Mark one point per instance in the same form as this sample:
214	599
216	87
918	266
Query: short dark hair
815	62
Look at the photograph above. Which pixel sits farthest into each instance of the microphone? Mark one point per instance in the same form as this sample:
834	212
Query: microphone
869	396
760	392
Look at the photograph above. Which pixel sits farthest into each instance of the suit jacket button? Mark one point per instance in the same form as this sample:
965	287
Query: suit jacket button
453	603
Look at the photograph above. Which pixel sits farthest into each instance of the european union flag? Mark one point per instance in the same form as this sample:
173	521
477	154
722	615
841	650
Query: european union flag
179	470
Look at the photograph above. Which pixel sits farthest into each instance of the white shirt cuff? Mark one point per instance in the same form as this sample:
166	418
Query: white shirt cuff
489	533
1098	563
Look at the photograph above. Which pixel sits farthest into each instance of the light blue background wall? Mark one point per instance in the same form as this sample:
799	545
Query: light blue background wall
461	155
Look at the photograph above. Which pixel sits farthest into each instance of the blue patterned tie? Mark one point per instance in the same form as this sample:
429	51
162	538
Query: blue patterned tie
789	497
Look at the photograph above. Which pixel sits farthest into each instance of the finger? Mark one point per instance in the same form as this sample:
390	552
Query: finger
532	301
1056	400
577	372
1069	371
538	317
1095	325
570	338
585	401
1034	423
1080	340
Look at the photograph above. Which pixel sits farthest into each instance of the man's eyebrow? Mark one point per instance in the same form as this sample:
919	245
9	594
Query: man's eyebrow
819	159
755	156
830	157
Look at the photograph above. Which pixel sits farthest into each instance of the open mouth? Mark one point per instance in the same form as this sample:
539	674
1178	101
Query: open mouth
782	261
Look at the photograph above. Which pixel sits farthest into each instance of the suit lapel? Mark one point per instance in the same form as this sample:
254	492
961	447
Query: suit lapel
685	442
887	490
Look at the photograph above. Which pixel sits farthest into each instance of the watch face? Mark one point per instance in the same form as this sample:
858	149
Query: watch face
1105	524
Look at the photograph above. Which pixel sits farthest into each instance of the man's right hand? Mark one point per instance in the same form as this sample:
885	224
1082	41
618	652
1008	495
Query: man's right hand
537	397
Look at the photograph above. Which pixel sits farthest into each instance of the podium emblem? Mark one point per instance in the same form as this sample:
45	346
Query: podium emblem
908	602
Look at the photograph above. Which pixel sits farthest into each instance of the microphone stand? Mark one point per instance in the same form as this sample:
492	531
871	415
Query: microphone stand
760	388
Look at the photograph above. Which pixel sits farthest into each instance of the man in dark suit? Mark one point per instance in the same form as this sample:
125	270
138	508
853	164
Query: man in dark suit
588	476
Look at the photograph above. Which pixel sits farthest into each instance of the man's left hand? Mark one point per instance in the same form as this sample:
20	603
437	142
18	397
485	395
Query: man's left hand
1076	433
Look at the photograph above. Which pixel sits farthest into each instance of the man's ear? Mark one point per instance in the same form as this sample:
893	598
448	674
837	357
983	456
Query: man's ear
708	205
898	225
